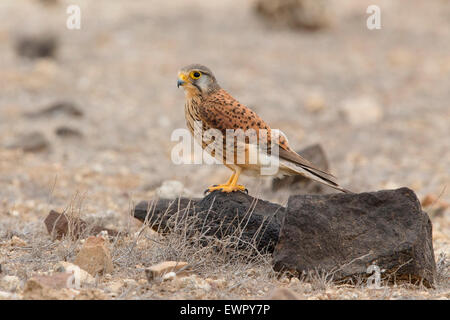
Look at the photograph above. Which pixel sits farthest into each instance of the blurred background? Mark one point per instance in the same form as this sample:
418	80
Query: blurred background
86	115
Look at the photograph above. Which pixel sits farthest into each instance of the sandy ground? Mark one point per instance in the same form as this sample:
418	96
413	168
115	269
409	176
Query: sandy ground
120	71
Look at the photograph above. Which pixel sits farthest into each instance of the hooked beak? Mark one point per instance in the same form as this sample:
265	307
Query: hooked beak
182	79
180	83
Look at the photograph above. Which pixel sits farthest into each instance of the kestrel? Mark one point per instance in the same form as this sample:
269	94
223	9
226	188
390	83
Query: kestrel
215	108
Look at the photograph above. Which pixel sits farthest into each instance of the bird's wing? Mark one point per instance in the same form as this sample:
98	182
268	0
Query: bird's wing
221	111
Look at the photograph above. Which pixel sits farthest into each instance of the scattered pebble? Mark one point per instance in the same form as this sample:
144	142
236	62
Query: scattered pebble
81	276
362	110
159	270
171	189
305	14
169	276
30	142
283	294
58	108
67	132
52	287
10	283
315	102
17	242
10	296
37	46
193	282
94	257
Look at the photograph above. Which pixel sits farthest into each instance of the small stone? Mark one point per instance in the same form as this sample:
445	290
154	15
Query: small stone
49	2
37	46
171	189
10	283
17	242
142	282
67	132
401	57
9	296
216	283
283	294
284	280
160	269
129	282
58	280
49	287
14	213
81	276
94	256
307	287
30	142
169	276
362	111
315	102
59	225
114	286
193	282
91	294
304	14
40	288
59	108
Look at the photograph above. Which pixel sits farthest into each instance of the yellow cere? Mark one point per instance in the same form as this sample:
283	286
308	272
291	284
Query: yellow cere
182	76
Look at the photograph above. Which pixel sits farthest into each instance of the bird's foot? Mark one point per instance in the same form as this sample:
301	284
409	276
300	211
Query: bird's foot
226	188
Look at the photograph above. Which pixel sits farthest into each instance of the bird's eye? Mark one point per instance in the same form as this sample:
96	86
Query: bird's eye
195	74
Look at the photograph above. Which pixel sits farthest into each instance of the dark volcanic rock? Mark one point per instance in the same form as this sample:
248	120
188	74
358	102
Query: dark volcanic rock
304	14
67	132
62	108
300	184
37	46
220	215
343	234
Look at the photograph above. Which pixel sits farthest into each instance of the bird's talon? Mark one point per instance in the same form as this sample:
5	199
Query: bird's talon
226	188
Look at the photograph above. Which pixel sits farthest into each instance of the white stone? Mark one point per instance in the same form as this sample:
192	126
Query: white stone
10	283
129	282
169	276
9	296
114	286
171	189
84	276
17	242
362	111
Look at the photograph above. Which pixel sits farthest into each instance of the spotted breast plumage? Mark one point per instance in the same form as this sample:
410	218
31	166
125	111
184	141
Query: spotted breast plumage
210	106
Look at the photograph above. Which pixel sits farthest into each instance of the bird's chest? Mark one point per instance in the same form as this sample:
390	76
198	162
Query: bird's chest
193	118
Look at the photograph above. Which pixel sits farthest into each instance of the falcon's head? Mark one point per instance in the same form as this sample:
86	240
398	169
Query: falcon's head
196	80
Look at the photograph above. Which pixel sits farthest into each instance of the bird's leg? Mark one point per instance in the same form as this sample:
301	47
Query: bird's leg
231	179
231	184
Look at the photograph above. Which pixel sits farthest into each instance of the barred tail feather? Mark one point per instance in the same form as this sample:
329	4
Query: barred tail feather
311	173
